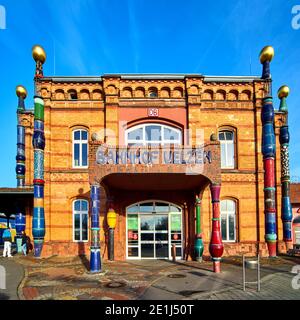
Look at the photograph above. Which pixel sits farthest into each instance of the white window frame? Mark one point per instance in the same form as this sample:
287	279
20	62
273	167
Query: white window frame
225	143
81	213
228	213
80	142
161	142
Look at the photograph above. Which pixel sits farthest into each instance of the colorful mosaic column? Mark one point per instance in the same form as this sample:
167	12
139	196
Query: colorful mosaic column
95	259
38	142
20	167
269	151
284	138
198	247
20	158
216	246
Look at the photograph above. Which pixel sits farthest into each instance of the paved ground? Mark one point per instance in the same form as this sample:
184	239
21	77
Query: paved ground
201	284
68	279
14	275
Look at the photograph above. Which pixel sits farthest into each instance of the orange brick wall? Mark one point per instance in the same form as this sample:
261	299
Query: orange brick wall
198	105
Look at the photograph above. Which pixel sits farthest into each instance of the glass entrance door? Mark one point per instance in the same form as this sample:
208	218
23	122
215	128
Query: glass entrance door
154	236
152	229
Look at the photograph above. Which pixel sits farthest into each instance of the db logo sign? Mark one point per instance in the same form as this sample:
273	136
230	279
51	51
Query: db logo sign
153	112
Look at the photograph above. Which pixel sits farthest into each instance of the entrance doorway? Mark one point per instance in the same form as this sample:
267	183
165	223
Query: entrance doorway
152	228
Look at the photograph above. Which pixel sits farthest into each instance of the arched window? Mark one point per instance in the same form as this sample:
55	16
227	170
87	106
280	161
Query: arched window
226	138
228	220
153	93
80	149
153	134
80	220
72	94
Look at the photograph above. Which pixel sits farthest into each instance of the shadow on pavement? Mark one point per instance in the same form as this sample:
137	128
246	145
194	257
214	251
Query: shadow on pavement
82	256
4	296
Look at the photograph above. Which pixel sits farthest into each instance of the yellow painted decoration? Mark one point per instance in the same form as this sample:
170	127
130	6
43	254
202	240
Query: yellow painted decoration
283	92
21	92
266	54
39	54
111	218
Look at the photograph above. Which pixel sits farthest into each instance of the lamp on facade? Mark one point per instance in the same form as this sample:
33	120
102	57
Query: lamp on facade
111	222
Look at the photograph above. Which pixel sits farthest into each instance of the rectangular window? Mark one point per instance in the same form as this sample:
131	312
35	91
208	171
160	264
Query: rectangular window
136	135
77	227
230	155
77	135
228	220
80	148
80	220
227	149
84	155
223	155
231	227
224	227
83	135
84	227
76	155
153	133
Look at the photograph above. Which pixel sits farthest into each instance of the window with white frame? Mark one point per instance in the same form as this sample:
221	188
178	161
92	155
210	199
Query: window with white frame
80	220
153	134
228	220
80	148
226	138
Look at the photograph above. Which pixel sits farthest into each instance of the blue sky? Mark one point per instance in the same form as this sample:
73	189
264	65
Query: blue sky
92	37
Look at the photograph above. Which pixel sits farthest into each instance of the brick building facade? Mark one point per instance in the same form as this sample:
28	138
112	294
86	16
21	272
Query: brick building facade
85	114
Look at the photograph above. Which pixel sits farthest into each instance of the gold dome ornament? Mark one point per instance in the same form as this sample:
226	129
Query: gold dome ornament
21	91
283	92
39	54
266	54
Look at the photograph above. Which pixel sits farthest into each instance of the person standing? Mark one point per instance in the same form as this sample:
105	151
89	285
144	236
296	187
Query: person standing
24	243
7	242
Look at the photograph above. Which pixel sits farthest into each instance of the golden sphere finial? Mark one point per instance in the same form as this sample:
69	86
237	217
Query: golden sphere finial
266	54
283	92
21	91
39	54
